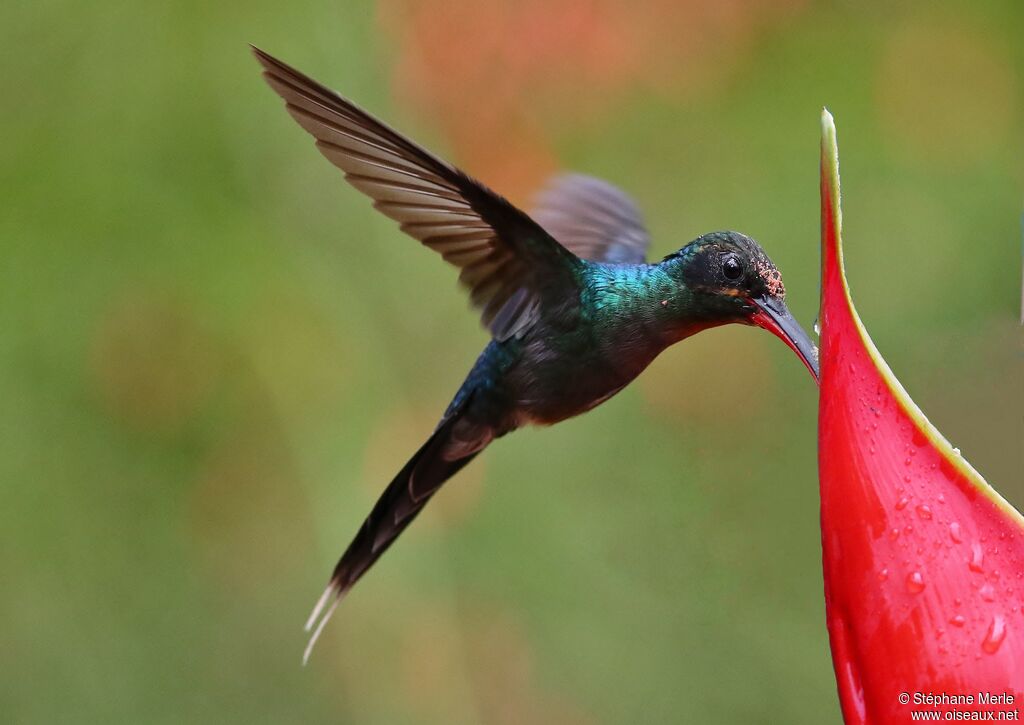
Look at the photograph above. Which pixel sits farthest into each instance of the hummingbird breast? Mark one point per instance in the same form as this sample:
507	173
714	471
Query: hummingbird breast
560	374
577	355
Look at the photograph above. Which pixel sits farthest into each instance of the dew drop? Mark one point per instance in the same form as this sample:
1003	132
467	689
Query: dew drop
958	620
924	512
987	593
915	582
954	532
907	461
883	575
956	451
894	534
977	558
995	635
942	499
902	503
817	331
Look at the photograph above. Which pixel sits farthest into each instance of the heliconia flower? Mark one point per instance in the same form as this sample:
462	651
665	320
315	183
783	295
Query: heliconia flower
923	560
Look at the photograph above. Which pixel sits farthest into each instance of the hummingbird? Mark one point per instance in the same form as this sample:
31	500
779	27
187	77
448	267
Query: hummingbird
574	310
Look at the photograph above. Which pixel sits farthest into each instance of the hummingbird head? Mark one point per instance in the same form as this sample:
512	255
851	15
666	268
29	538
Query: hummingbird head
733	280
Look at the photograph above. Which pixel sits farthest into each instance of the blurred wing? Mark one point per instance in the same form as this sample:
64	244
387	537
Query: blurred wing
592	219
507	259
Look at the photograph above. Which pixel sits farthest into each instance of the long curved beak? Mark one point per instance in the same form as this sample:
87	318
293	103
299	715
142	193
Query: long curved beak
773	315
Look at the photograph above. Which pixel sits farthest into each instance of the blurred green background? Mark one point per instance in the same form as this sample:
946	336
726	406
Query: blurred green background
214	354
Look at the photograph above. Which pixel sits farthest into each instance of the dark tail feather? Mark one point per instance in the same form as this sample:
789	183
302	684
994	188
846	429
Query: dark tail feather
403	499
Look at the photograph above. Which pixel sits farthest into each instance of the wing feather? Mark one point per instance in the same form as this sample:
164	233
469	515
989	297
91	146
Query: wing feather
592	219
507	260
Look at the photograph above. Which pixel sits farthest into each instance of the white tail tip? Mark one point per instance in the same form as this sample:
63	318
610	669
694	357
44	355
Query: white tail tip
319	627
331	590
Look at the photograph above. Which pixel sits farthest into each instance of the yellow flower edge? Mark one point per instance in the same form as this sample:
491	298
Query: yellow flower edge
830	168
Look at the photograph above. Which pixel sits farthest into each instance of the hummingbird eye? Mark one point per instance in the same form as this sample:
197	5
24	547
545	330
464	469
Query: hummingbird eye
731	267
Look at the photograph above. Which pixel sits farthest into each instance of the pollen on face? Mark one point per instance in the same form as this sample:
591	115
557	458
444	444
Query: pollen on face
772	279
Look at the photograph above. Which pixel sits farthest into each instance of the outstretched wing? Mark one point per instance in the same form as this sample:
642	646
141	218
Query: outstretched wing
506	259
593	219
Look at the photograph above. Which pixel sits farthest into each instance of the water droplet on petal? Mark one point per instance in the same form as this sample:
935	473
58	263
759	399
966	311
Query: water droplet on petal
924	512
977	558
995	635
958	621
883	575
954	532
987	593
915	582
902	503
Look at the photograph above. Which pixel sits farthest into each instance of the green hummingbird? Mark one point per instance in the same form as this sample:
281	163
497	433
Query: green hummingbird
574	311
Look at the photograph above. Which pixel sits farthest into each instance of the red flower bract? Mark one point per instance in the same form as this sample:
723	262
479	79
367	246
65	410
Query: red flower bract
923	560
